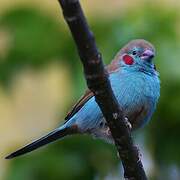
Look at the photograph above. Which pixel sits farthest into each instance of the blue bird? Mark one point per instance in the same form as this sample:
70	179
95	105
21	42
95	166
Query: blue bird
136	85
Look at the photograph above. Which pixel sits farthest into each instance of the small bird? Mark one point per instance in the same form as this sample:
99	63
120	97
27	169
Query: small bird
136	85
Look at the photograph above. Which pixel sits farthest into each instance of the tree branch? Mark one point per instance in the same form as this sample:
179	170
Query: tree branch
98	82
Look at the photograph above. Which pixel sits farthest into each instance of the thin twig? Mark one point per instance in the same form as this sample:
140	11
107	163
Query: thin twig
98	82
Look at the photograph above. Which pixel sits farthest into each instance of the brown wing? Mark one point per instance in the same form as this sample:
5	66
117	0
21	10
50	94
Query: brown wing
89	94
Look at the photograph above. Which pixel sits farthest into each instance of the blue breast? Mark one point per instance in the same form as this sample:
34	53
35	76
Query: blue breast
136	92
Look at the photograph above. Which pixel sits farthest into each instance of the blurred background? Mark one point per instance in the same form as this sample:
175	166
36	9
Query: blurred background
41	78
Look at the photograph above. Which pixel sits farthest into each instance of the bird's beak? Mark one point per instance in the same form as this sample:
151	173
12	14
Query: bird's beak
147	55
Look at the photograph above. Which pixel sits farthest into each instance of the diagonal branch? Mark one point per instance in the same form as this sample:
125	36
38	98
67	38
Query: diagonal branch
98	82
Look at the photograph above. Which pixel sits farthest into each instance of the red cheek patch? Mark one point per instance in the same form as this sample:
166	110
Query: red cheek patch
128	59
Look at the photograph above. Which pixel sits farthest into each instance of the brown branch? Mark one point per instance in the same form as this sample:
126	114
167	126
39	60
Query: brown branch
98	82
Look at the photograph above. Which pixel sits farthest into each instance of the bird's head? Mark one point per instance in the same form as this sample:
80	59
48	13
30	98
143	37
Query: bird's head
137	54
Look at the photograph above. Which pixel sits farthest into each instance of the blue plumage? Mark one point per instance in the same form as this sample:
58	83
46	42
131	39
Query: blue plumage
136	92
136	85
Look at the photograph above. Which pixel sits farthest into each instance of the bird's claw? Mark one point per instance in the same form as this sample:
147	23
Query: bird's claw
128	124
139	153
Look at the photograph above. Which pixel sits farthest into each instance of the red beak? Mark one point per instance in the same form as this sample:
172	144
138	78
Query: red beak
147	55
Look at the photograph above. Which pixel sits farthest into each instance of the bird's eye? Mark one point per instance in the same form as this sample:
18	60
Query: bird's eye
134	52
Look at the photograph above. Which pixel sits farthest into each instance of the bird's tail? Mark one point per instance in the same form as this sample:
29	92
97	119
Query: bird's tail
52	136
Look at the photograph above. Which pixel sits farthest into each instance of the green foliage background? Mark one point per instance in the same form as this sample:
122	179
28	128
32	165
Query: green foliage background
39	40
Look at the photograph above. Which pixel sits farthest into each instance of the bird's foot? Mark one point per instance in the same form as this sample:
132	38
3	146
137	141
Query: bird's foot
139	153
128	124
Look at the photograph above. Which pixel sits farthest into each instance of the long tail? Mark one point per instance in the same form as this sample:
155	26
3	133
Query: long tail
52	136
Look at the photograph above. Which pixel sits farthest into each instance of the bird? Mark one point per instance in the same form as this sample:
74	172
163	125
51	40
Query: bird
136	85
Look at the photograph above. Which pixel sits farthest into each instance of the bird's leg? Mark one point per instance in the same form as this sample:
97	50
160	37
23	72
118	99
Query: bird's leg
139	153
128	124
